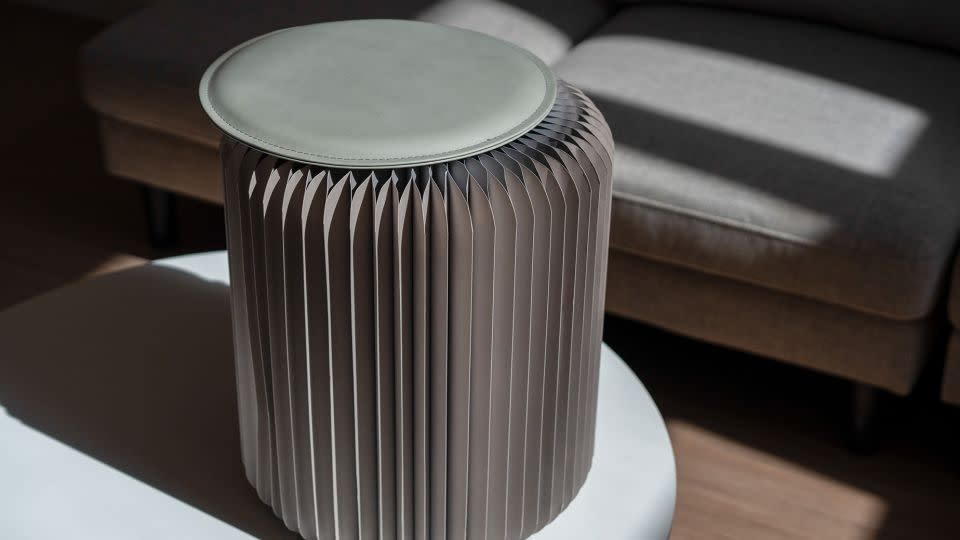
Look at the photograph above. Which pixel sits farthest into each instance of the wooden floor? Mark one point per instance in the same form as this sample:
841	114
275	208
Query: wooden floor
760	454
758	444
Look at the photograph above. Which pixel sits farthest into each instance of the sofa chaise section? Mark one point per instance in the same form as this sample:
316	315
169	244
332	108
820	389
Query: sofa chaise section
785	171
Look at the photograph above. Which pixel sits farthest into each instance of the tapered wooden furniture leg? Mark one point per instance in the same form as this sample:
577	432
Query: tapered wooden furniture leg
865	404
160	206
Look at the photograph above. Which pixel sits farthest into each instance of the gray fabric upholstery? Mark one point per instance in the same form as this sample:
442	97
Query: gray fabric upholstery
100	10
930	22
145	70
951	370
783	154
831	339
548	28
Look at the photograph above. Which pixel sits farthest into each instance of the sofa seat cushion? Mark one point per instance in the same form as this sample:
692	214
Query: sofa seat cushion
931	22
146	69
796	157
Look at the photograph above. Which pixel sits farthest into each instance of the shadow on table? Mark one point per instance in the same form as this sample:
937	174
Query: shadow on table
136	370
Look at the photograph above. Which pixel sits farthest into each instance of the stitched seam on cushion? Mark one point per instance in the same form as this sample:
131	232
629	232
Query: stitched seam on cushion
771	233
512	132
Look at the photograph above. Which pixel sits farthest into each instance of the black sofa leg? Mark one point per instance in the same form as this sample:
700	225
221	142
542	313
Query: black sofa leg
161	218
865	404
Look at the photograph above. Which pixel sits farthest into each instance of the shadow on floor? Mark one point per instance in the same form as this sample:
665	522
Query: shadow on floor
763	408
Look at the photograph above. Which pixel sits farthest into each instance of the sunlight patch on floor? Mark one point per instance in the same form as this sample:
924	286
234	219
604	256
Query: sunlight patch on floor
750	494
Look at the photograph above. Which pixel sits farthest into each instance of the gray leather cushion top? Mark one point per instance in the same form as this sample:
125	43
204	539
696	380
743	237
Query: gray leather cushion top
145	69
377	93
788	155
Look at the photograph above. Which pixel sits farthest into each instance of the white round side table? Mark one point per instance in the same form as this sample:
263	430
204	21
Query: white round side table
106	436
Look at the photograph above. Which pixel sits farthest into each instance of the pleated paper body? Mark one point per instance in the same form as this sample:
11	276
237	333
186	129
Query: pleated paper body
417	349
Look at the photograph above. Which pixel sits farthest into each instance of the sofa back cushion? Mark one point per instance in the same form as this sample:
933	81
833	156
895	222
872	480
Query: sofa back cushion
927	22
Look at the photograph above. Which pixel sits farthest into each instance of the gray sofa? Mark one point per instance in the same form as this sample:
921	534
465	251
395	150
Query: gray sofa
787	173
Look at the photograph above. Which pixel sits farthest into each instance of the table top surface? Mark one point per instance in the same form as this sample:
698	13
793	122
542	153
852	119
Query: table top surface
377	93
118	420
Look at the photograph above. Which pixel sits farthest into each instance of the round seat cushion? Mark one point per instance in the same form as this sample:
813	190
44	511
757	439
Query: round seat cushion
376	93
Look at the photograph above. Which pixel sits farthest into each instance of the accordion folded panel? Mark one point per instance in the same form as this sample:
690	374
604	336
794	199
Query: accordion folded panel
417	347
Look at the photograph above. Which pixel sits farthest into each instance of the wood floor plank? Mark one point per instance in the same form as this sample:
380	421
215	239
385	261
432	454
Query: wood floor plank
758	495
